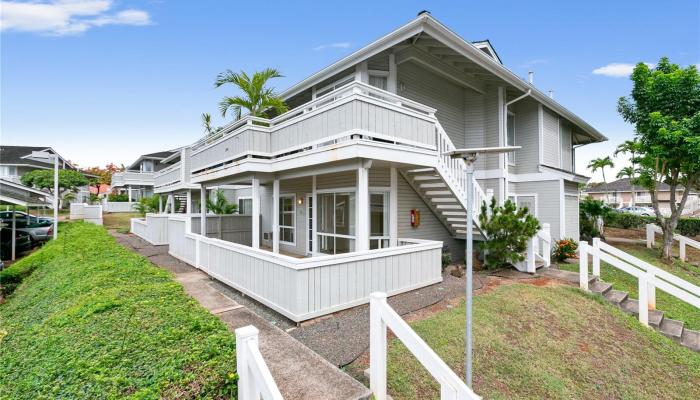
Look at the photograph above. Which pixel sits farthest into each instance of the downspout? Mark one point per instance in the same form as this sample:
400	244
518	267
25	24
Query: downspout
505	112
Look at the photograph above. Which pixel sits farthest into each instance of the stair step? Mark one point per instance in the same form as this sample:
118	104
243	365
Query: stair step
457	219
448	206
615	296
691	339
420	170
672	328
432	185
455	213
592	279
427	178
600	287
631	306
438	193
459	226
443	200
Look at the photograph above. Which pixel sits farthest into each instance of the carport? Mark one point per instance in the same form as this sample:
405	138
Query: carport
15	194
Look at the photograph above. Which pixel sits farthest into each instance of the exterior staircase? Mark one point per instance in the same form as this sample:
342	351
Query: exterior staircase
181	202
668	327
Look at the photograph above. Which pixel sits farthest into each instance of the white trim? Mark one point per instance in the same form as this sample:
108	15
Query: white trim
562	211
314	192
293	227
309	229
537	205
540	133
393	208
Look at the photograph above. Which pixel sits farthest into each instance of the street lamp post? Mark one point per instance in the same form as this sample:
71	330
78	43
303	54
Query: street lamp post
469	156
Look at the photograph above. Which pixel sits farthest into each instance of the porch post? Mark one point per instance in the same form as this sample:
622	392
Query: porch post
14	232
361	209
171	200
160	204
188	206
393	208
314	219
203	211
256	213
276	215
128	188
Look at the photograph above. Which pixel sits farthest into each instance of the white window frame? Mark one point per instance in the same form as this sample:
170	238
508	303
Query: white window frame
239	203
386	192
510	156
318	212
293	196
515	197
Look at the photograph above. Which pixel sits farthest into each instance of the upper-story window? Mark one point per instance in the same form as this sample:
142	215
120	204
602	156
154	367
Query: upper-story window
379	79
511	137
147	166
8	170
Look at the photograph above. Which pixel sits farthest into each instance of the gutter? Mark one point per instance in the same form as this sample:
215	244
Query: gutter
528	93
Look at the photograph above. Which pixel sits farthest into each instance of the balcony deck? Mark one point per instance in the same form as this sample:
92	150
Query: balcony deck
134	178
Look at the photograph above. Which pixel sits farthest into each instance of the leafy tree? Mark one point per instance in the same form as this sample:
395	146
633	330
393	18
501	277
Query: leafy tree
147	205
102	176
591	217
633	148
664	107
508	229
220	205
256	98
600	164
68	180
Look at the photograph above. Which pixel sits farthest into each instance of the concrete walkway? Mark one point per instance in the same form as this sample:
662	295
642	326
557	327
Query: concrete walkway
299	372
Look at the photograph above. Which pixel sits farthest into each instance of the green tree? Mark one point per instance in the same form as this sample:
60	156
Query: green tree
257	97
664	108
220	205
508	229
209	129
68	180
629	172
633	148
600	164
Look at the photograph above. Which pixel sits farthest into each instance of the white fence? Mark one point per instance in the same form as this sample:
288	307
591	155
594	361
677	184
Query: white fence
682	240
254	377
118	206
650	277
538	247
382	316
306	288
153	228
87	212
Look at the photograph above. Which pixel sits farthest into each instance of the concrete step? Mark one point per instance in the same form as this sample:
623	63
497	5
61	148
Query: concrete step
631	306
691	339
599	287
615	296
672	329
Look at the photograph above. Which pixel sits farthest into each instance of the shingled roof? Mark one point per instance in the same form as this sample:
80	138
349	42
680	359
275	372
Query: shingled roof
12	155
623	185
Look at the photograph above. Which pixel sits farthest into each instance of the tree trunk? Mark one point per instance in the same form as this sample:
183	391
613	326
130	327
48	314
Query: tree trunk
668	240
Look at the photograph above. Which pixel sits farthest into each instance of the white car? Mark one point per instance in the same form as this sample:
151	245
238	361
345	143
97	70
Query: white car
643	211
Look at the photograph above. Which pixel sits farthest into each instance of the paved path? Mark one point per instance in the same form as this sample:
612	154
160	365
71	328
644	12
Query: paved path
299	372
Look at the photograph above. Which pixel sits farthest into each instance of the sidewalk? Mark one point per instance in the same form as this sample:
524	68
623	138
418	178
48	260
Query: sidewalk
299	372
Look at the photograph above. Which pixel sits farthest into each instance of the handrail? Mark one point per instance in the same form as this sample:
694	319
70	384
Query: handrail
254	377
170	168
682	240
355	88
649	277
382	316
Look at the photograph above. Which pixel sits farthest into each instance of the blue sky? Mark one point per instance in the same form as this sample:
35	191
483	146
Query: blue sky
104	81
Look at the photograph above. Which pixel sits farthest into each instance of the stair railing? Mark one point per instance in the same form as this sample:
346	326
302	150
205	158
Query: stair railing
254	377
682	240
453	171
649	277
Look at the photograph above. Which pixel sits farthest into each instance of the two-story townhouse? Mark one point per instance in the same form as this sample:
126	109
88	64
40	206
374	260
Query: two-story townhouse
137	179
353	184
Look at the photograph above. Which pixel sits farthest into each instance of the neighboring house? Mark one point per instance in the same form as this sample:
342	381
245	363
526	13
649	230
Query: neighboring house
353	182
16	161
619	194
138	178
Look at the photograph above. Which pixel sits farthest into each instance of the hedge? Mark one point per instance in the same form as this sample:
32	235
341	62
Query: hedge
686	226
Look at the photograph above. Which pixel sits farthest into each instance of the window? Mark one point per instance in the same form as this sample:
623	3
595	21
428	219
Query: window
147	166
378	80
287	218
378	220
245	205
8	170
336	222
511	137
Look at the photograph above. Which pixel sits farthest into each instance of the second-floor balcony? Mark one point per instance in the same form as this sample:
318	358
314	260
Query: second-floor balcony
126	178
355	110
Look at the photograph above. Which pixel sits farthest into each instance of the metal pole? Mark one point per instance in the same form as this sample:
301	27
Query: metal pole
14	232
468	261
55	197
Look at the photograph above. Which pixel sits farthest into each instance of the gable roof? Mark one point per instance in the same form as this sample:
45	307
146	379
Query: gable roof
17	155
624	185
158	156
424	23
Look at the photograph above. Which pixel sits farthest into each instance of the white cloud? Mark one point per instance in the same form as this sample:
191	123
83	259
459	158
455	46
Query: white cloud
617	70
339	45
65	17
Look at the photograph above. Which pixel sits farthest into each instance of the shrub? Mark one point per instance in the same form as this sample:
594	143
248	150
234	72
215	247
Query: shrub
591	214
118	197
565	248
93	198
446	259
689	226
508	229
220	205
148	205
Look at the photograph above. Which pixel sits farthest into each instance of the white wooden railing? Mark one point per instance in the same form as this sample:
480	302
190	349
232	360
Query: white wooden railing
649	277
682	240
382	316
538	247
453	172
254	377
168	176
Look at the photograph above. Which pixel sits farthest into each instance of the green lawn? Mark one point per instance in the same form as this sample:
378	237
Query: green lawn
670	305
548	342
97	321
119	221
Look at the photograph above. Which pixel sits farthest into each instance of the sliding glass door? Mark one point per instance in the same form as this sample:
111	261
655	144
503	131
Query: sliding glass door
336	222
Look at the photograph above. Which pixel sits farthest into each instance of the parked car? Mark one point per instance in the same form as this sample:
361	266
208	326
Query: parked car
38	232
6	216
22	243
643	211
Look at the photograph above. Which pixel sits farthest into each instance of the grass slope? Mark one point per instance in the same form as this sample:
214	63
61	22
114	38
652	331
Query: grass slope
119	221
97	321
670	305
548	342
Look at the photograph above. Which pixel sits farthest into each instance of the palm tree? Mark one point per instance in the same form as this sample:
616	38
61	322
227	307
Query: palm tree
256	97
206	123
600	164
629	172
632	147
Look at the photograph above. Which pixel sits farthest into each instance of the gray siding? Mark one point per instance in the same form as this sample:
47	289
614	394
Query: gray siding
526	136
550	139
548	193
430	227
432	90
474	122
566	150
491	130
